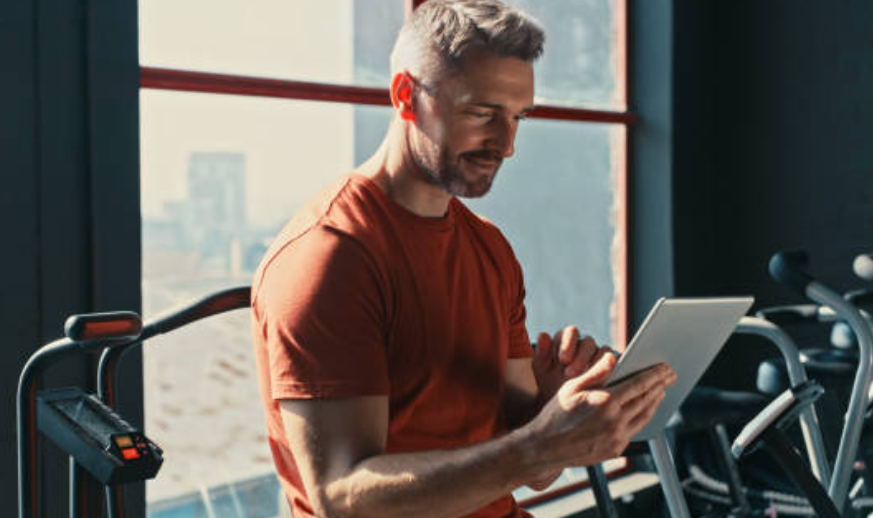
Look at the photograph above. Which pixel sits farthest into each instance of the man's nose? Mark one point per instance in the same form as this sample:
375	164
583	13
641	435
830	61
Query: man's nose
503	139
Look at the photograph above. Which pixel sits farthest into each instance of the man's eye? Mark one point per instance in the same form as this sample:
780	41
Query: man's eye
481	115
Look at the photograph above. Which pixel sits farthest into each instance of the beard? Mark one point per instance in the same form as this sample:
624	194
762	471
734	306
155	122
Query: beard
447	172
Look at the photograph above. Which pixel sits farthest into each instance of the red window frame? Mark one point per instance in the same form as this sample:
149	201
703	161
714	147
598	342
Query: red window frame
156	78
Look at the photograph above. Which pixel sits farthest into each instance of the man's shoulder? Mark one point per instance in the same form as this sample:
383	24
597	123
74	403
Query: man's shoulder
339	213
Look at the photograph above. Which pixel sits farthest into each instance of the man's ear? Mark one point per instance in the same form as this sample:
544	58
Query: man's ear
401	95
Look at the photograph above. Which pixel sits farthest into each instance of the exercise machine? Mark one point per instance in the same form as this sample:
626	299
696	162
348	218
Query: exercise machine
103	447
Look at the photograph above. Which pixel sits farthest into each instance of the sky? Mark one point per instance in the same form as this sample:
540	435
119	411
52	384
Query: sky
280	138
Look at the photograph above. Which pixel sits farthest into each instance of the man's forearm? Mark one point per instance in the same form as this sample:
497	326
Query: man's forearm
432	484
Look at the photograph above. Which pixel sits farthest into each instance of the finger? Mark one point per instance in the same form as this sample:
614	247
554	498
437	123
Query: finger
596	375
644	409
569	344
643	401
642	382
585	352
544	349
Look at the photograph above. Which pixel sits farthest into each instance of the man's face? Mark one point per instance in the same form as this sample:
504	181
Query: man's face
467	125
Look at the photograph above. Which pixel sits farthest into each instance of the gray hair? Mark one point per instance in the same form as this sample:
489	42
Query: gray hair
440	34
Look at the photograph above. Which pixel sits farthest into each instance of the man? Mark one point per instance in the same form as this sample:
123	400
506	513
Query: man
389	320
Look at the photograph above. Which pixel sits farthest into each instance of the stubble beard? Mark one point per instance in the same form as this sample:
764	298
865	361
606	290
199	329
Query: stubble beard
445	172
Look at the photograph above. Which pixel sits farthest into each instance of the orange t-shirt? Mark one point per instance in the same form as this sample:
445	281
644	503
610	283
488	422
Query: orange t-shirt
358	296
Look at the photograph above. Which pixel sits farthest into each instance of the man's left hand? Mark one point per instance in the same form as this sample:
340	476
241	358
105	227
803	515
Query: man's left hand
564	355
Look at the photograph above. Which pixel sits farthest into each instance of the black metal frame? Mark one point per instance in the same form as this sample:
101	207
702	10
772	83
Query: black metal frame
210	305
28	440
81	483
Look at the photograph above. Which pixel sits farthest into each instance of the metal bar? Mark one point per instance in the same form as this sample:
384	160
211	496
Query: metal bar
114	501
788	458
189	81
860	398
85	492
583	115
114	494
28	440
729	465
815	447
600	486
206	82
669	479
28	452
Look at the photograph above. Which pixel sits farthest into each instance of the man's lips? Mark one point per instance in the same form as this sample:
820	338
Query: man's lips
483	160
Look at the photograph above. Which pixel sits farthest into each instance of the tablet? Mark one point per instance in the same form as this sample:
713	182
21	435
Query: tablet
685	333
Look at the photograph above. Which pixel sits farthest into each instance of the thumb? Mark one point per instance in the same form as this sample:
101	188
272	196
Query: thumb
602	366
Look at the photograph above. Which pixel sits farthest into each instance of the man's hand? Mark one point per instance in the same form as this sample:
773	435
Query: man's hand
545	481
585	423
561	357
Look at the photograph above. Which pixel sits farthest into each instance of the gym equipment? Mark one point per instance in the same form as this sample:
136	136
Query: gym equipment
87	425
210	305
863	266
768	426
789	268
100	443
671	324
767	429
797	375
712	409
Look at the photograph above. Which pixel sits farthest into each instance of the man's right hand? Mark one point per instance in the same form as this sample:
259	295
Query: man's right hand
339	448
585	423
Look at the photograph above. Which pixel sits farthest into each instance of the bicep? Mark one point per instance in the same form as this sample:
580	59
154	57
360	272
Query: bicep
328	437
520	394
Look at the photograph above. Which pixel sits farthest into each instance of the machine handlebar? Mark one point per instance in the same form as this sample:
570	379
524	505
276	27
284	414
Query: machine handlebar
789	268
114	325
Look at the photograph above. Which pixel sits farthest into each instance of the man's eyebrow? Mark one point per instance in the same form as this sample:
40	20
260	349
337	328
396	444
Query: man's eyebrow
526	110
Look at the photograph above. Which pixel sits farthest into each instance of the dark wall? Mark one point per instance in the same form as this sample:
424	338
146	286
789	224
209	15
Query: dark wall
651	166
69	200
773	118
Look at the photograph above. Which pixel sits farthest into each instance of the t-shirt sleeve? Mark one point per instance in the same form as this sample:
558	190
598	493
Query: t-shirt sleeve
321	314
519	341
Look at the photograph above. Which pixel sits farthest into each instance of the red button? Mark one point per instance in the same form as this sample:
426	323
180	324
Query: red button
130	453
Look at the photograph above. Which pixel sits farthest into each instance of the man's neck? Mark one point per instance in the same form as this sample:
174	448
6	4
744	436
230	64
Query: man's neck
395	171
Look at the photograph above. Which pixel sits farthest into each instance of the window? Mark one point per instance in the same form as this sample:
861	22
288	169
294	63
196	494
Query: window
236	135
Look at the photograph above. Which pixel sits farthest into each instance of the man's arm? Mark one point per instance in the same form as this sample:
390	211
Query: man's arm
339	446
521	400
531	382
